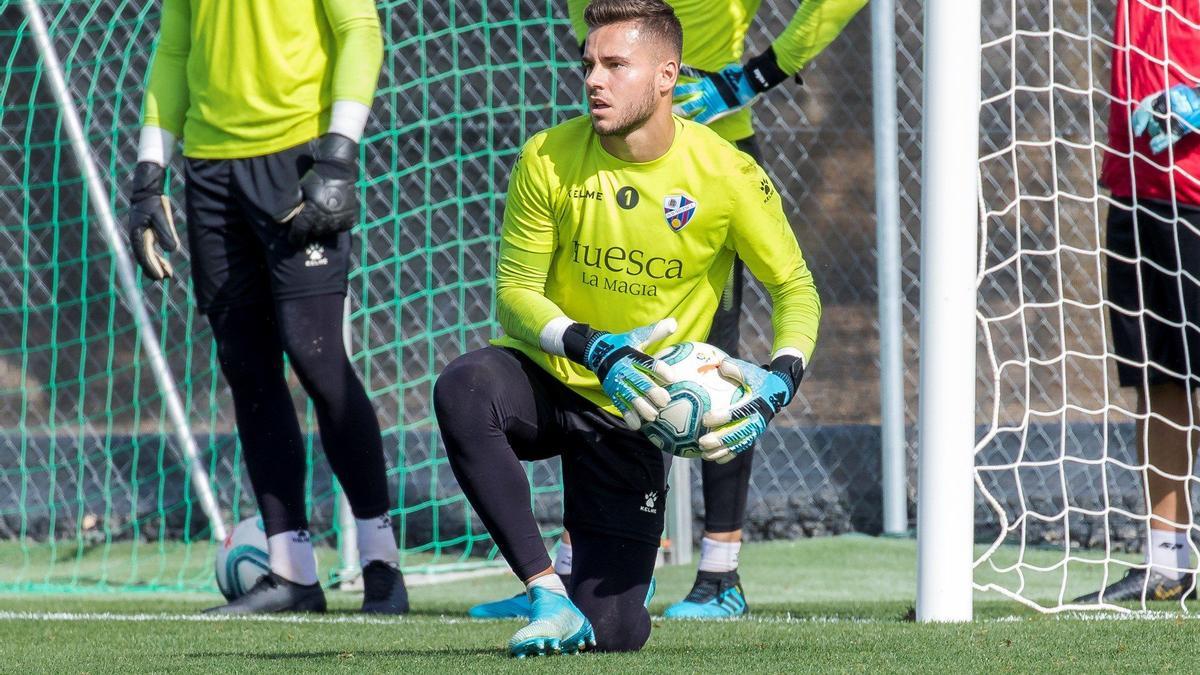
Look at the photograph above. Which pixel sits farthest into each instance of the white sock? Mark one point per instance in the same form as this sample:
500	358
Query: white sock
1169	553
719	556
551	582
291	555
376	541
562	559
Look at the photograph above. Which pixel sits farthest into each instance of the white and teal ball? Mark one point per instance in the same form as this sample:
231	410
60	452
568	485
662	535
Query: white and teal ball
242	558
702	388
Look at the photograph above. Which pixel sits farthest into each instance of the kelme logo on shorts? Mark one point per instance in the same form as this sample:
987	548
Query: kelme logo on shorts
316	255
679	210
651	507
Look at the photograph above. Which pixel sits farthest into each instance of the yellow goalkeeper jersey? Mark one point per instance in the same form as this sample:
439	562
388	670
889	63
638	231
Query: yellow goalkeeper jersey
242	78
618	245
714	36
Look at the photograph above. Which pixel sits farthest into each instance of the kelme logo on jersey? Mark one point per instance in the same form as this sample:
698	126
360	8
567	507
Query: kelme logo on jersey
679	210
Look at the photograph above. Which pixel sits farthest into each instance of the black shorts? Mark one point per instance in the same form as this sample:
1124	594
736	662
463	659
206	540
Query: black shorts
614	479
1155	319
240	255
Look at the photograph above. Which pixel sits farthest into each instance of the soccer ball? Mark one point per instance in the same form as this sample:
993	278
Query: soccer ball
702	388
242	558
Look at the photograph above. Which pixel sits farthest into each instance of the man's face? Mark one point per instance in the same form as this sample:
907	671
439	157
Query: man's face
626	75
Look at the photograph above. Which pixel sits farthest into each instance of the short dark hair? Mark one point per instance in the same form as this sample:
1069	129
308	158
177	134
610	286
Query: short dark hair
654	16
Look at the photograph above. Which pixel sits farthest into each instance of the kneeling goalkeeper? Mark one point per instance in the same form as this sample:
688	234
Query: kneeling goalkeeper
620	232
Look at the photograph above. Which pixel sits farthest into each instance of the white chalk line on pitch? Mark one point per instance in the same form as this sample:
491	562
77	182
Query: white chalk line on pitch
1152	615
353	620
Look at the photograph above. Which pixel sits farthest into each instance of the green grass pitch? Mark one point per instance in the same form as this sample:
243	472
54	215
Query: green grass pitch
835	604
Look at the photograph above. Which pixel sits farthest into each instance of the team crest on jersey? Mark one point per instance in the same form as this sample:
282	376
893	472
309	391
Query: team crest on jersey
679	210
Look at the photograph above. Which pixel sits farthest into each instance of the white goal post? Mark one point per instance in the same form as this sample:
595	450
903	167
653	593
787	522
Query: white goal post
945	487
1033	479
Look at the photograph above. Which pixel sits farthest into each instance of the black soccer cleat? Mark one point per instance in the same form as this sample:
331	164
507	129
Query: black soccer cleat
383	589
273	593
715	595
1135	587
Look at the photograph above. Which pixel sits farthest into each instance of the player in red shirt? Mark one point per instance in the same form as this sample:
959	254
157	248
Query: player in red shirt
1152	168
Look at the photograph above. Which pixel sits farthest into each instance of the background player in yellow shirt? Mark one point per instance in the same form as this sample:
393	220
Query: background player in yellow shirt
271	98
620	232
714	88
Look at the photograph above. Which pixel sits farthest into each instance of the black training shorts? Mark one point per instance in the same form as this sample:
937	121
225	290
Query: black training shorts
240	255
614	479
1155	318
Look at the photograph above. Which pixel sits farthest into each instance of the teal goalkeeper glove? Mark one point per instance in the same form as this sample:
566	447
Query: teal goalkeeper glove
704	96
736	430
150	224
1152	113
624	370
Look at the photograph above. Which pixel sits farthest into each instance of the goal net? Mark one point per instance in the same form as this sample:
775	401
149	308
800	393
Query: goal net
1061	504
93	493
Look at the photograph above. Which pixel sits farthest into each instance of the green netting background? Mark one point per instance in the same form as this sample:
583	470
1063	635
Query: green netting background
92	493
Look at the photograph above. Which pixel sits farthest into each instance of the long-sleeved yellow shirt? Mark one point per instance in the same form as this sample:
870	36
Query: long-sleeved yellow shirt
618	244
242	78
714	36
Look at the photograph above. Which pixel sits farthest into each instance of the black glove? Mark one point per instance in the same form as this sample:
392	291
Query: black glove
150	224
328	190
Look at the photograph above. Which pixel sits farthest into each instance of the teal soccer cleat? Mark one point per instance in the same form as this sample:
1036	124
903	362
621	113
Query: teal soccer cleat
516	607
556	626
715	595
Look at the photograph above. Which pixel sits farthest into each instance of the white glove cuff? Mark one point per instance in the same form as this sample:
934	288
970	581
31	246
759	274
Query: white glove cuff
791	351
156	145
551	339
349	119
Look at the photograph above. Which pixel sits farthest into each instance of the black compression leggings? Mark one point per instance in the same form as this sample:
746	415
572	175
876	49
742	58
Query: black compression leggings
251	342
609	581
490	417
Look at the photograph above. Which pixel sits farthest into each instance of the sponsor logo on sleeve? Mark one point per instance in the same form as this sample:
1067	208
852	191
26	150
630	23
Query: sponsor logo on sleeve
767	190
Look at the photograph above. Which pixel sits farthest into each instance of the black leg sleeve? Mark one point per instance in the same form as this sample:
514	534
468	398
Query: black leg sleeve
726	487
251	359
485	404
610	577
311	331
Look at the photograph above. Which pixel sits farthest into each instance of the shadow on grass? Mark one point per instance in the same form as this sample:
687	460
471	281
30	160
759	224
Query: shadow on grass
353	654
417	612
689	651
